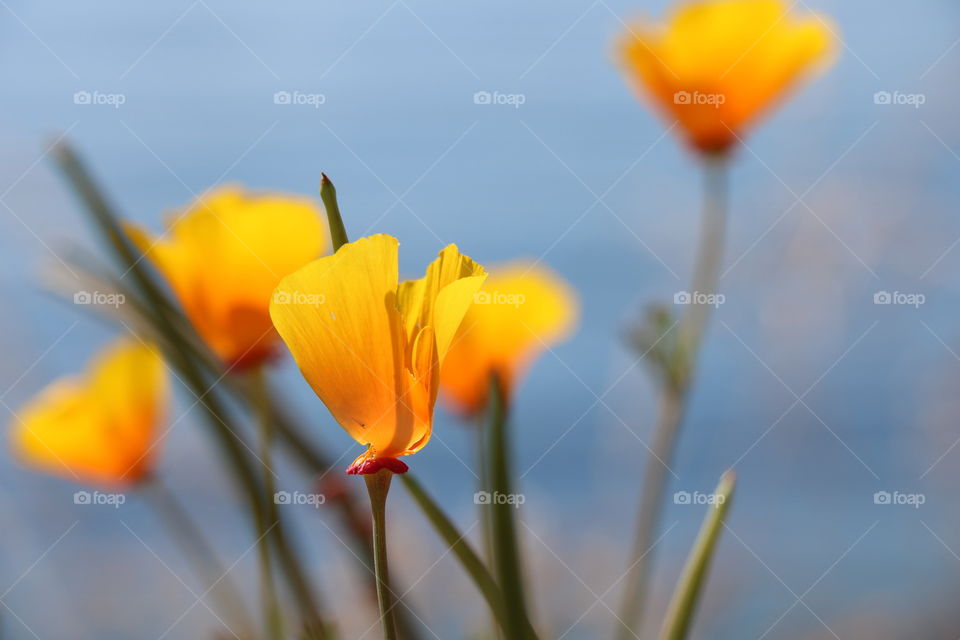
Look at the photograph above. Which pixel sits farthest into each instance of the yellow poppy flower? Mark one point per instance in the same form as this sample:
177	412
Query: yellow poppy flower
99	427
521	310
717	65
371	348
224	256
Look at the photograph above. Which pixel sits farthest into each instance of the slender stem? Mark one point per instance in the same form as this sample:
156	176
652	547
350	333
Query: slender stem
469	559
683	605
483	487
506	555
706	274
675	395
273	618
199	553
378	485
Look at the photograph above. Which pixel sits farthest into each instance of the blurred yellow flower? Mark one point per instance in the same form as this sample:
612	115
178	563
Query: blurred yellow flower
522	310
372	348
719	64
99	427
224	256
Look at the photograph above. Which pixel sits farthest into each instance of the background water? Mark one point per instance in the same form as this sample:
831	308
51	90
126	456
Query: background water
819	397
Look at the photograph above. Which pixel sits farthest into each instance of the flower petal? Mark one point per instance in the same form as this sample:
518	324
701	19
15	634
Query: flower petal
442	296
224	256
338	315
100	427
522	310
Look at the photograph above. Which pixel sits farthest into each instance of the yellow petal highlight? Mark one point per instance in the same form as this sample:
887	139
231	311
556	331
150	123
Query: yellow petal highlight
718	65
521	310
224	256
370	347
99	427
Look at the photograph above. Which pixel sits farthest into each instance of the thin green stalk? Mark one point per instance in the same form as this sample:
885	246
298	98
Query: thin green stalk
469	559
378	485
483	486
506	555
675	395
483	510
200	554
679	618
272	615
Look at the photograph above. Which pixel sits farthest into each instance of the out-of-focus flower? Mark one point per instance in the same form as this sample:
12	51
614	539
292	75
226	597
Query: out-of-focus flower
99	427
522	310
717	65
372	348
224	256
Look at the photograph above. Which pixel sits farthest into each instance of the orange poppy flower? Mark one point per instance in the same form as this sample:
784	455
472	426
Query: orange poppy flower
99	427
370	347
224	256
717	65
522	310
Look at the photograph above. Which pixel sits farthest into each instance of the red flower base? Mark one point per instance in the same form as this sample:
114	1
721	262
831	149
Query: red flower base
369	466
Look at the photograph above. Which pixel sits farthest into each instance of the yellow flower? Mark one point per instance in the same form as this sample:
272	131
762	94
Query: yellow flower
224	256
718	65
99	427
522	310
372	348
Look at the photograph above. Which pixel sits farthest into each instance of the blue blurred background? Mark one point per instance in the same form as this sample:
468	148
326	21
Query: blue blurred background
817	396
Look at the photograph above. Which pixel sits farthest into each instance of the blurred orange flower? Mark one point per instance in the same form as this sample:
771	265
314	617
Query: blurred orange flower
372	348
224	256
522	310
99	427
717	65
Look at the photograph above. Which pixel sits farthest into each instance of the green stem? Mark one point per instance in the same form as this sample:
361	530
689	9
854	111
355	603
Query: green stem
378	485
200	554
469	559
483	486
273	618
675	396
679	618
506	555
